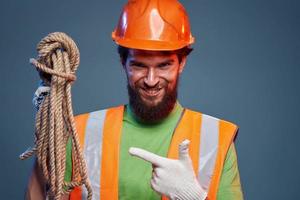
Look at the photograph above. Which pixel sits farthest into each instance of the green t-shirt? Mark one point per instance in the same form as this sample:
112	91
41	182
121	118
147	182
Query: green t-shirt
135	174
230	185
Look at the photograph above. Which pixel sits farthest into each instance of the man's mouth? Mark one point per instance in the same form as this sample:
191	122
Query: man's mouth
151	92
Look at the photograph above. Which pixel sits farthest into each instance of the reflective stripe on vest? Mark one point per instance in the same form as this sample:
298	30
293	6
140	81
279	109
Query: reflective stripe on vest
100	134
208	149
93	150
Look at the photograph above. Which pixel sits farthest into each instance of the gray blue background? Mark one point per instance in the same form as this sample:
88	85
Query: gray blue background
244	68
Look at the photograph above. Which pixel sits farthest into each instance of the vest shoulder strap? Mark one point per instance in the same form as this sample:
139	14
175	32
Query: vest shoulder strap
210	140
98	147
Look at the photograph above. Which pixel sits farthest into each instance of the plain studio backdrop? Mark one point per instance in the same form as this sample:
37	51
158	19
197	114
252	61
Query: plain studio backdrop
244	68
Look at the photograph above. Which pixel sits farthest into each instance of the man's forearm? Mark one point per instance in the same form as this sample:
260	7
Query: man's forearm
36	186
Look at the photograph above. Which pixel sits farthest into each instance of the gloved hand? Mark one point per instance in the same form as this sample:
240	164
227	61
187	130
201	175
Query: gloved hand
174	178
39	95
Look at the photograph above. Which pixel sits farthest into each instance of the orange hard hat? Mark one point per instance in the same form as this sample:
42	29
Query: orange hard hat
153	25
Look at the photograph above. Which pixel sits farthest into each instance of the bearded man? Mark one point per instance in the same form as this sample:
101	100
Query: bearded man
153	148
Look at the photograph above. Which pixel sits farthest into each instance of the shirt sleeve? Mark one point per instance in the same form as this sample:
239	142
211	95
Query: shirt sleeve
68	172
230	185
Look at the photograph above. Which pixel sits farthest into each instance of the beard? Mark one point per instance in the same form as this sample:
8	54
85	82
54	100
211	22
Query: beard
152	114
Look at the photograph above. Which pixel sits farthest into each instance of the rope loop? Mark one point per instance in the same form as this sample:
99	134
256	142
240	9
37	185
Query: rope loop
58	40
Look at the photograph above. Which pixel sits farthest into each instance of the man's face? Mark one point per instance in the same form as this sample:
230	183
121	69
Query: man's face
152	82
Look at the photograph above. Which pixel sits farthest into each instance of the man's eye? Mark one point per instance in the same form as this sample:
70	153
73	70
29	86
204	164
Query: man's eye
164	65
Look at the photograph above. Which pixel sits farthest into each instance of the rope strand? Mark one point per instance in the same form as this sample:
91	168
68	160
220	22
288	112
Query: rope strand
55	124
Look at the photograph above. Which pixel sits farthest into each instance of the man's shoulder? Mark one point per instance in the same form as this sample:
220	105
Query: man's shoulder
211	118
98	111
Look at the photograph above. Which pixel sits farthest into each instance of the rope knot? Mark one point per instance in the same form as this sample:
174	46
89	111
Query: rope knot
49	49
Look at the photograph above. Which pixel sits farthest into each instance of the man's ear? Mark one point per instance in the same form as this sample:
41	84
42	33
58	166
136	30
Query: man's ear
182	64
122	62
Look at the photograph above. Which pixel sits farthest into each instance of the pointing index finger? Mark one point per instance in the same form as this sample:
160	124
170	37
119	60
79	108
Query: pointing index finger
147	156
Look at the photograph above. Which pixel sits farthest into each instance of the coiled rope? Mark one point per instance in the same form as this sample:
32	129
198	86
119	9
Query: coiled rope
59	59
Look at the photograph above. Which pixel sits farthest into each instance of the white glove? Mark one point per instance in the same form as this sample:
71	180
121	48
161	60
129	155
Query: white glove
39	95
174	178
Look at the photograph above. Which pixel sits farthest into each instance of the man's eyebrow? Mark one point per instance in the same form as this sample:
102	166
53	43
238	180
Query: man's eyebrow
138	63
134	62
168	61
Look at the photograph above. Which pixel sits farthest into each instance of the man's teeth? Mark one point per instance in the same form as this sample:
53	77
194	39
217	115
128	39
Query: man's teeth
153	91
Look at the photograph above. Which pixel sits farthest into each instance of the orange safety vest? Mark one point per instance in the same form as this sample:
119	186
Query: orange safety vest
100	132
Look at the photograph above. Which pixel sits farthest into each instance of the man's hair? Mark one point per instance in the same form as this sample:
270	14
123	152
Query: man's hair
183	52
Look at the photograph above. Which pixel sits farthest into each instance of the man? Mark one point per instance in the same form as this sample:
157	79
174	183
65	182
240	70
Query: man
154	148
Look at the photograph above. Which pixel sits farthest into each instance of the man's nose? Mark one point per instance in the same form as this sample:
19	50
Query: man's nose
151	79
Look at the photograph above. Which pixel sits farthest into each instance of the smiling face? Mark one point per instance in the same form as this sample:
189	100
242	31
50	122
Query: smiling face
152	82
